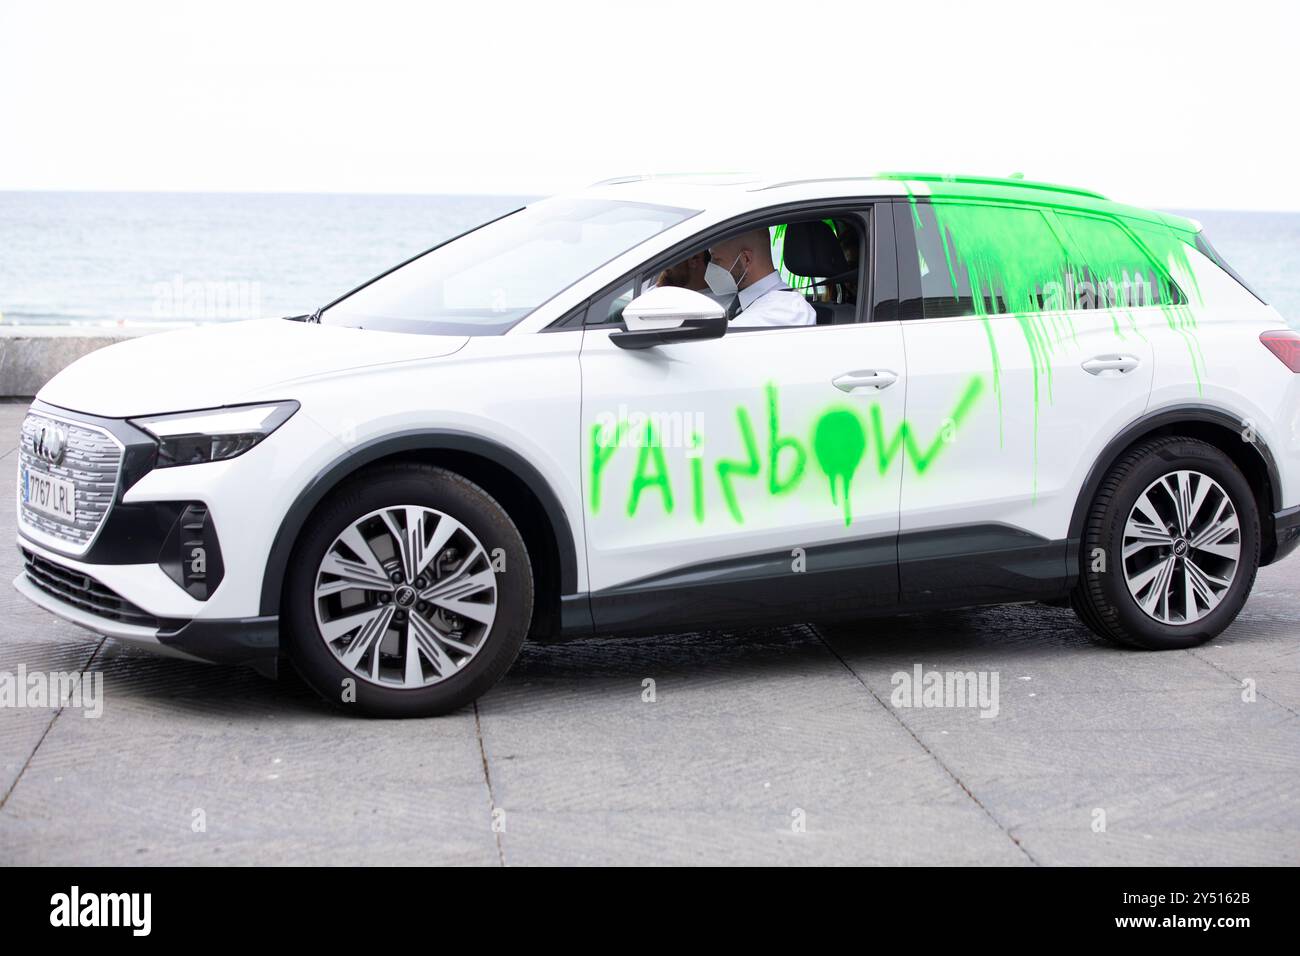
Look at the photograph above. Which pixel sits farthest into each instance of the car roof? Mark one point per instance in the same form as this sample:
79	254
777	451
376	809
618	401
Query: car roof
739	191
714	190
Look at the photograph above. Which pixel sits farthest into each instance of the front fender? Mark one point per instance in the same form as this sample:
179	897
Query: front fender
417	440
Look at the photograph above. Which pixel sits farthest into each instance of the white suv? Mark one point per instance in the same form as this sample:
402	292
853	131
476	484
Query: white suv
558	426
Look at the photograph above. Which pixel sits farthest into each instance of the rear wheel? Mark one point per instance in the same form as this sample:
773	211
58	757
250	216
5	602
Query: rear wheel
1170	547
410	595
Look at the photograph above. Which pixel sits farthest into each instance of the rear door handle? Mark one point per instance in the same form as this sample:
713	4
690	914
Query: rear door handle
865	380
1119	364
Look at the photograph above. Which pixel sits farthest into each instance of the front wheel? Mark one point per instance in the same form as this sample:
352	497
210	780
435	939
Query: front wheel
410	594
1170	547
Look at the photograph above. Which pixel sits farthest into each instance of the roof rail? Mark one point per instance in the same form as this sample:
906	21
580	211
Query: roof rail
991	181
823	179
618	180
688	178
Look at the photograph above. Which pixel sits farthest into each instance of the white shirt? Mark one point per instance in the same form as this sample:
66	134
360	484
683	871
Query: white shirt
768	302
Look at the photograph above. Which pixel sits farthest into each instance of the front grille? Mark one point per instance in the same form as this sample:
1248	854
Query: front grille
83	592
91	461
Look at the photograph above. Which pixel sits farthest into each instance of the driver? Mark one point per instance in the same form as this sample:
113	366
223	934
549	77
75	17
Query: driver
687	274
743	265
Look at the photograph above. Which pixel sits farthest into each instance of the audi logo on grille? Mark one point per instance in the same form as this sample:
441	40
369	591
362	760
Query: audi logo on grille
50	442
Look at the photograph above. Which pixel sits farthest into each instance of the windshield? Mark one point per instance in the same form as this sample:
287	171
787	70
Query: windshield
487	280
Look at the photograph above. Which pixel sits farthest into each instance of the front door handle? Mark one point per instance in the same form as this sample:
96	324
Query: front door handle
1119	364
865	380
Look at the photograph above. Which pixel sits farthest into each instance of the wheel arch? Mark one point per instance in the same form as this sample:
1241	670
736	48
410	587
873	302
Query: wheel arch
1211	425
520	488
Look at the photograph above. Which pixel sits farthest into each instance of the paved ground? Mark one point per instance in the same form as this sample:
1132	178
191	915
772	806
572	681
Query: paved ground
749	735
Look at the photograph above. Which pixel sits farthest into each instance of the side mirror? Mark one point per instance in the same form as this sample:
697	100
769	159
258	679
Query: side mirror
668	314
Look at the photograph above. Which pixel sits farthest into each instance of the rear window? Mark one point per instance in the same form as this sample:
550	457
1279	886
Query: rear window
983	259
980	260
1115	271
1203	246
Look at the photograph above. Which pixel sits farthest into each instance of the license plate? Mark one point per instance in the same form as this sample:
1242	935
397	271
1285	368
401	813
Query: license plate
48	495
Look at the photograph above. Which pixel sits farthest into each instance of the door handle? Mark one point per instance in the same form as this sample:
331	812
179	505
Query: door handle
1121	364
865	379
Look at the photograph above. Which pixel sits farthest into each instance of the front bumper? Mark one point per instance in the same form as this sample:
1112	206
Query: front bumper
142	635
155	604
252	641
151	570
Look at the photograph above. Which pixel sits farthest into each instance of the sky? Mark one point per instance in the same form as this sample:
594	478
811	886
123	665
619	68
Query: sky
1173	105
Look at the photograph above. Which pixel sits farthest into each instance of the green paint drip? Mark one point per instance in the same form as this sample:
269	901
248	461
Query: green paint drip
839	442
1139	259
1169	247
911	203
1011	261
746	469
1037	264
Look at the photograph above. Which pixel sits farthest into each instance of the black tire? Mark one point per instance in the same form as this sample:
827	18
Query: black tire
454	495
1102	598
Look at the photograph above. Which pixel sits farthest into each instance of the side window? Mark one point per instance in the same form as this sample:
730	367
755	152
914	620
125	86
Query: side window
1116	272
977	259
608	308
824	263
820	259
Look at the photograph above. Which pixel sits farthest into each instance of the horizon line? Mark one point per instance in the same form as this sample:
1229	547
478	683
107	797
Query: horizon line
475	193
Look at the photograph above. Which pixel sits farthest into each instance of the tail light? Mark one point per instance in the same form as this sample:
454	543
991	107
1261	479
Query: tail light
1285	345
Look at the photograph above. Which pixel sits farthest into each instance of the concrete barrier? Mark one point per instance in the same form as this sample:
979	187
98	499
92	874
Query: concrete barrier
31	355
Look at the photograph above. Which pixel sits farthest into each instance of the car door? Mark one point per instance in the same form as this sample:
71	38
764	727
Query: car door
737	479
1027	379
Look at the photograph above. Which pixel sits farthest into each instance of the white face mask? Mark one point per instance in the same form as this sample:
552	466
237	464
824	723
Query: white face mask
719	280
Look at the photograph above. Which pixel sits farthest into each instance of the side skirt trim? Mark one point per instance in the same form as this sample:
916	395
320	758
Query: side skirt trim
937	568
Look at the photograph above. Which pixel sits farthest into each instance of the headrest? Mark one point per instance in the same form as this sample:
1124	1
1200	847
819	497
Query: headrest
812	249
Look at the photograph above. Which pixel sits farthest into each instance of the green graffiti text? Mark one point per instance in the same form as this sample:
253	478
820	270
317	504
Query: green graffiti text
839	437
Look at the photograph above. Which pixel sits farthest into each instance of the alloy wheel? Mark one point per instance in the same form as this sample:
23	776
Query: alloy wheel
405	596
1181	547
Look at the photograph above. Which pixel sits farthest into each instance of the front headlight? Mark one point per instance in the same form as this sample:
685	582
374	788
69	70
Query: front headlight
216	434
